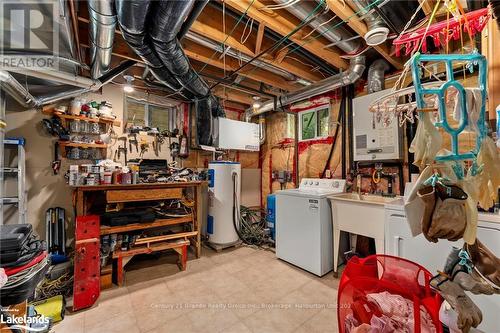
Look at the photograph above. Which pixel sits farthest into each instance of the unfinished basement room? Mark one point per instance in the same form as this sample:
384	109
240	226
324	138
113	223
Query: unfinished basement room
234	166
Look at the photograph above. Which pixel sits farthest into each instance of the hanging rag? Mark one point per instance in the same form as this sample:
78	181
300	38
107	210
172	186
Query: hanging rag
427	195
470	185
414	205
469	315
489	158
474	102
427	141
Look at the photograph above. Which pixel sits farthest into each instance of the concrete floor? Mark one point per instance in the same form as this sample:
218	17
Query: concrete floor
237	290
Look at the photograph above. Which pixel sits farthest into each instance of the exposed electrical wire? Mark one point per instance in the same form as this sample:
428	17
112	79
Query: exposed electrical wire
277	44
228	35
244	38
299	26
280	6
306	64
356	14
319	26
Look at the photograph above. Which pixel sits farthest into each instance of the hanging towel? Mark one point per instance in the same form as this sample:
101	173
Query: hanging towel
474	101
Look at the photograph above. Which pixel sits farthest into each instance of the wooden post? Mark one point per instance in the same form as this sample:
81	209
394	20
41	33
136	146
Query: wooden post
490	44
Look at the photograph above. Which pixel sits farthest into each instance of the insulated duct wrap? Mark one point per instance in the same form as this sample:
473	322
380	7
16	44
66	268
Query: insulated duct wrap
151	29
102	31
204	121
132	18
376	75
168	19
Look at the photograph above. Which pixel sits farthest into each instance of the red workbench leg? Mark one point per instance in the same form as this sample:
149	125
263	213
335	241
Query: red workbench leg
119	271
182	257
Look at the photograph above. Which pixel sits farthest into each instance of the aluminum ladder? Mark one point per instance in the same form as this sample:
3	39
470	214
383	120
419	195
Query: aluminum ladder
20	172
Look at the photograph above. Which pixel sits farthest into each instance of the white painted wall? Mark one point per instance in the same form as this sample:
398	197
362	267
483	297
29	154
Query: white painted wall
44	189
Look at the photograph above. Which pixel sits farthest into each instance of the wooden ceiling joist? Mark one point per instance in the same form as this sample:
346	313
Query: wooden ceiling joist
428	6
345	13
217	35
284	26
199	53
232	95
260	36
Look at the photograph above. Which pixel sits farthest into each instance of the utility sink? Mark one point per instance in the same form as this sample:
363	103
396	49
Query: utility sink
365	198
359	215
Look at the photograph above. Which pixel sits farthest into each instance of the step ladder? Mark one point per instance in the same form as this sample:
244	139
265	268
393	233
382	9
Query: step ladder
20	172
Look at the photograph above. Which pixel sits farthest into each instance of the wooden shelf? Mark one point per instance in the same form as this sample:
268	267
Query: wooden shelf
82	145
141	226
141	249
52	112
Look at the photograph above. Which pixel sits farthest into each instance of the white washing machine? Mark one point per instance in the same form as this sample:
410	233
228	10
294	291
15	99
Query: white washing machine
304	224
400	242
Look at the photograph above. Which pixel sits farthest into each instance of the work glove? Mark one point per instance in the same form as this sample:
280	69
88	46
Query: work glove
469	315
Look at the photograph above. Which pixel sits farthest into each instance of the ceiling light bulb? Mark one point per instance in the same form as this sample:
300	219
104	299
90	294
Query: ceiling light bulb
128	86
256	102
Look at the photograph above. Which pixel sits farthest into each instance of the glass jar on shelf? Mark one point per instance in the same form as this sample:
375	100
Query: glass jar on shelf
74	126
94	128
74	153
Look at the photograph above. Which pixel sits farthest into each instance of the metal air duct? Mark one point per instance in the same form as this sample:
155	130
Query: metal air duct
376	75
340	36
70	85
203	41
356	69
19	92
377	29
102	31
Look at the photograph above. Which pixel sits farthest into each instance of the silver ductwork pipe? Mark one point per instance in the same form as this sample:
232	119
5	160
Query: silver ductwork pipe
355	71
19	92
58	76
102	25
208	43
78	85
339	35
377	30
376	75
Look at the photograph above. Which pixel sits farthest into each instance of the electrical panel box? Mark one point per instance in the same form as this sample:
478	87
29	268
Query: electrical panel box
375	138
237	135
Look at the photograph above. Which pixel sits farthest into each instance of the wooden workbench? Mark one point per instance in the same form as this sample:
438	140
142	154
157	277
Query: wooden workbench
85	195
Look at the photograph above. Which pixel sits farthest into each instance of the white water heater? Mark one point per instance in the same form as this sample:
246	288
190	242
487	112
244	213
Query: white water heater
224	189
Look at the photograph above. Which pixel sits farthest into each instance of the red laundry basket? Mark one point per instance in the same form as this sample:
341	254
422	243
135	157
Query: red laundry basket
379	273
